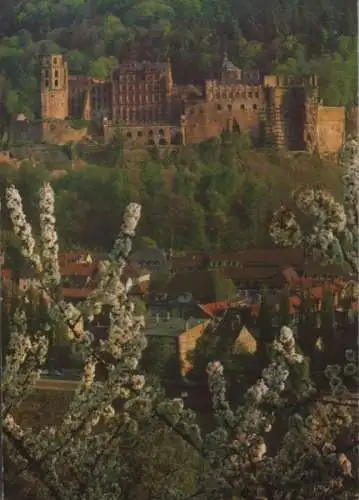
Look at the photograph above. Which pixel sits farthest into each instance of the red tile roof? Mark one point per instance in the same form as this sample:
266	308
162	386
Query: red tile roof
76	293
274	256
75	269
6	274
214	308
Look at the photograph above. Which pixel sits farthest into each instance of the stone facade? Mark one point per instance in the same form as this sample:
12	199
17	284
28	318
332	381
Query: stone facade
330	129
142	101
54	88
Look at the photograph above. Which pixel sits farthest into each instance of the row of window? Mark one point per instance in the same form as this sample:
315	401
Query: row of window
150	133
141	89
237	95
140	115
145	77
140	98
243	108
55	84
220	108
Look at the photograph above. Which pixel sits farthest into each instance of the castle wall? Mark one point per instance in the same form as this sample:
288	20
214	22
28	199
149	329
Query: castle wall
153	111
352	122
89	98
142	136
247	95
330	129
60	132
207	120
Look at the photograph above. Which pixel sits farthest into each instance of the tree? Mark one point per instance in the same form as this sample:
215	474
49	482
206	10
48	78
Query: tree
334	233
223	288
87	455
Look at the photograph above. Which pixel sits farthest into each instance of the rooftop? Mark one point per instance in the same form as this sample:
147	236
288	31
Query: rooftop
173	327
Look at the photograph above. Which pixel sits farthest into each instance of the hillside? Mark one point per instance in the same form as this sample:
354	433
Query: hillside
216	196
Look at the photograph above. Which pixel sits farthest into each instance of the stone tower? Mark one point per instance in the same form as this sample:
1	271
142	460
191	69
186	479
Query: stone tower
290	112
54	88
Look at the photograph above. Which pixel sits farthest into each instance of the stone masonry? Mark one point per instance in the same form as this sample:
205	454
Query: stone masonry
142	101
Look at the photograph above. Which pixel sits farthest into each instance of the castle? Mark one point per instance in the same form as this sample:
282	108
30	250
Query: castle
152	110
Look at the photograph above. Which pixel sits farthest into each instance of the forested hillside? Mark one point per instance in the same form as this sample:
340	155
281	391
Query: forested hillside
286	36
218	197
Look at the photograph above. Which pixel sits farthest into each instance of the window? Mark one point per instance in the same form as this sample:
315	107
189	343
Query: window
256	95
129	134
150	133
219	107
161	131
46	83
229	107
242	107
56	83
56	73
139	133
250	95
162	142
55	60
254	106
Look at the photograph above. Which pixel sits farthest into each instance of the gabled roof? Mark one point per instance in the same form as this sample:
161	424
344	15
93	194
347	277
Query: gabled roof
245	342
215	308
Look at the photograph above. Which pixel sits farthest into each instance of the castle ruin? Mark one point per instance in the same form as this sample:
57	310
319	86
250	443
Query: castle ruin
150	109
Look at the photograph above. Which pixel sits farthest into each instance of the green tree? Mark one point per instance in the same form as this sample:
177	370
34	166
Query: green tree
223	288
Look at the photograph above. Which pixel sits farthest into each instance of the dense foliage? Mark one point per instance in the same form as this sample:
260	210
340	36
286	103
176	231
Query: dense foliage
334	234
218	198
288	37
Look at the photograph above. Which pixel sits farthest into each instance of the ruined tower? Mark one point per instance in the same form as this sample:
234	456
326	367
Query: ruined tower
290	112
54	88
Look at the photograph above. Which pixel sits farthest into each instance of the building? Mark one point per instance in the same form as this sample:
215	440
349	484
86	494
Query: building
150	109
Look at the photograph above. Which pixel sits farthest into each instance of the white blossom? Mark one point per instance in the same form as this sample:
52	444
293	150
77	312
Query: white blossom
334	236
82	457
